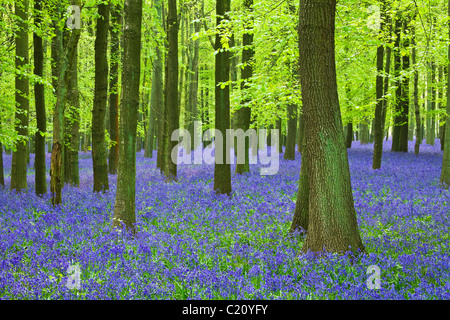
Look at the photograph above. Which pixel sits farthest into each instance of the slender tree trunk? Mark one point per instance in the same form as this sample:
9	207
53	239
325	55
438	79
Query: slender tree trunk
19	157
349	136
416	94
378	126
332	224
193	81
72	125
404	109
99	154
222	171
39	96
124	209
289	153
115	31
431	104
156	96
440	105
398	91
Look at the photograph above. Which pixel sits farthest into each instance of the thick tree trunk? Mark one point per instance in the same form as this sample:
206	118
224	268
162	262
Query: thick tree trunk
332	224
115	31
39	96
19	157
99	150
222	171
124	209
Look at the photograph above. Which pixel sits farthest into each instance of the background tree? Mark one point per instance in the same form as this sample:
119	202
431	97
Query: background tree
115	31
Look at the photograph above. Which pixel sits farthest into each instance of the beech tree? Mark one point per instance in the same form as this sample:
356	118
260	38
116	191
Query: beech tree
222	171
99	155
124	209
332	224
19	157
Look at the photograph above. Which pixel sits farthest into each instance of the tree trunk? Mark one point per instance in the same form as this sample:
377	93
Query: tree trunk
289	152
404	101
349	136
332	224
416	94
124	209
431	104
156	95
65	59
193	81
378	121
99	154
19	157
445	173
39	96
398	91
115	31
72	126
222	171
171	93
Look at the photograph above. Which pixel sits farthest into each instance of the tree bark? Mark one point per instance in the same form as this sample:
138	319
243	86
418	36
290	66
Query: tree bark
404	101
156	95
398	91
416	94
115	31
19	157
171	93
39	96
124	209
222	171
99	154
332	224
445	173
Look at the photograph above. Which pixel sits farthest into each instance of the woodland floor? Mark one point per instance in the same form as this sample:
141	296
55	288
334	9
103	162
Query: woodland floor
193	244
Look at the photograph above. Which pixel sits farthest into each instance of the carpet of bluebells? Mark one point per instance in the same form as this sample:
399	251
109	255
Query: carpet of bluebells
194	244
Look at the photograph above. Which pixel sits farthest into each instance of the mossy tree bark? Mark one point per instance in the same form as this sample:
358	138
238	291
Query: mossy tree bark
332	224
124	209
65	59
